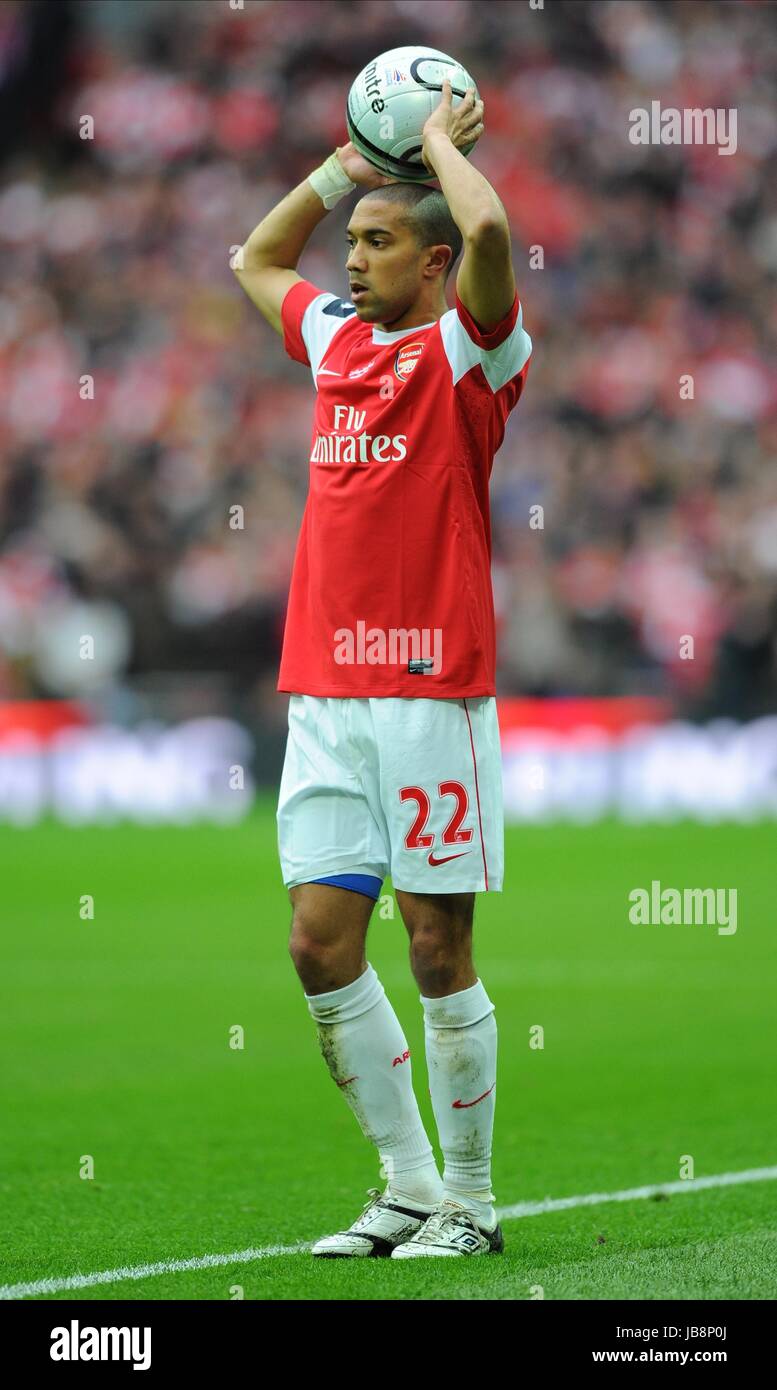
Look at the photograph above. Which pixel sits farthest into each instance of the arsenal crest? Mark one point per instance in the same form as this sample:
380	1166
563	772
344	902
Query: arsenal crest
406	358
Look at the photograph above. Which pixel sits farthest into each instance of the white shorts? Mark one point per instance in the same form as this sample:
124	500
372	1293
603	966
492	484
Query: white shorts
410	787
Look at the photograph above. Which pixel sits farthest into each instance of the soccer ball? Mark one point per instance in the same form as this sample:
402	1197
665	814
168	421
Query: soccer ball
390	102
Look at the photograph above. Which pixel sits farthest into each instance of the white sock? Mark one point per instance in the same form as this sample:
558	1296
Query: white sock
461	1038
363	1044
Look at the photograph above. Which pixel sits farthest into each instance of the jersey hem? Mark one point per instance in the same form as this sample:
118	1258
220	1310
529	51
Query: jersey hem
394	692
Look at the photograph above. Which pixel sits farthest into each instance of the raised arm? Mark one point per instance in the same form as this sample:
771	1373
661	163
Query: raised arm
266	264
485	283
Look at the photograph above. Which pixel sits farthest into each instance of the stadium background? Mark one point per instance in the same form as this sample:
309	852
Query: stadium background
660	521
660	513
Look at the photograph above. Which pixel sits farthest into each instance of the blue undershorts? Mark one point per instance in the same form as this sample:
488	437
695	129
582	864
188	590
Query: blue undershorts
356	883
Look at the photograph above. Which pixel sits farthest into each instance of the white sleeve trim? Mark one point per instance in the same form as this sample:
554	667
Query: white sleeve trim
499	365
318	327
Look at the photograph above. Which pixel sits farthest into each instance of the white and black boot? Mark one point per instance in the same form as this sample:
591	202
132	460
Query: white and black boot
384	1223
451	1230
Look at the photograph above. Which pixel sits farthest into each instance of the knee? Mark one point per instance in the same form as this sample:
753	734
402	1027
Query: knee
321	963
307	947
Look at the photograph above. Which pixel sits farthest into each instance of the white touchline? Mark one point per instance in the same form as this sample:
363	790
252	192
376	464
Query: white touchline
633	1194
116	1276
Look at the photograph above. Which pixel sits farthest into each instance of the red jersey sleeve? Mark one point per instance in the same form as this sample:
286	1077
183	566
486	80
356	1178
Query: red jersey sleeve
311	318
494	337
502	352
295	303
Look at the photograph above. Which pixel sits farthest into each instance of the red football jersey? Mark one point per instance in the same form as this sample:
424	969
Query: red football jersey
391	588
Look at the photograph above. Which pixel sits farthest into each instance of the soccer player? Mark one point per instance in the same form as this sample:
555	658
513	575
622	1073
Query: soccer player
393	761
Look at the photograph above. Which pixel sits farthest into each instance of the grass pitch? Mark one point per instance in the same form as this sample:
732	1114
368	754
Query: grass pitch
659	1043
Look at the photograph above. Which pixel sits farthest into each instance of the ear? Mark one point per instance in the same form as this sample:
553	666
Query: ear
439	260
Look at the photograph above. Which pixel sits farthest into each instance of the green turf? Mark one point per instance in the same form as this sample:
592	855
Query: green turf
659	1042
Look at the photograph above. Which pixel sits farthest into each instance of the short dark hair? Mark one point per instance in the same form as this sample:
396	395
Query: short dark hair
426	213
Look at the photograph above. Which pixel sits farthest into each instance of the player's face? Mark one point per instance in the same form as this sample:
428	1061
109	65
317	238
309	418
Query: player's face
383	256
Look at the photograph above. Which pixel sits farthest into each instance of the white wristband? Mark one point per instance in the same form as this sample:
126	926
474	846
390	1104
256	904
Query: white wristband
330	181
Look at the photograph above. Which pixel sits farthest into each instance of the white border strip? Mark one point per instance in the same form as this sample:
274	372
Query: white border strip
519	1209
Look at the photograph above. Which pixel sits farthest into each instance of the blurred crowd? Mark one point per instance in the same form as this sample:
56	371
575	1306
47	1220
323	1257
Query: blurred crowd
142	398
